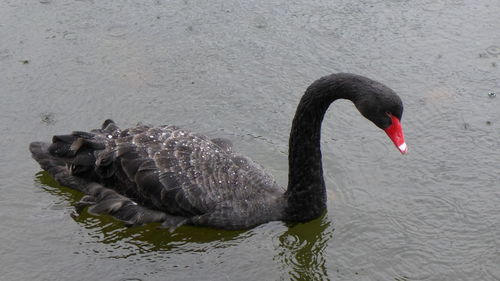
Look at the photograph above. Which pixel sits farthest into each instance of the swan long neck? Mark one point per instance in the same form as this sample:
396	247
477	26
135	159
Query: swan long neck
306	193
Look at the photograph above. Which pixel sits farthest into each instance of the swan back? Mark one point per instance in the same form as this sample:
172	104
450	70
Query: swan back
175	171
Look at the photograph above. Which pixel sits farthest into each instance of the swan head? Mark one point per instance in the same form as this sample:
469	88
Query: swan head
384	108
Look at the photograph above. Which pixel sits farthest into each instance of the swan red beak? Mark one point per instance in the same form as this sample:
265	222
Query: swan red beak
395	133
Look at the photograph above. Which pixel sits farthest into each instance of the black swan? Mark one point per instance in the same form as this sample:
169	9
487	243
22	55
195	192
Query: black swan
173	176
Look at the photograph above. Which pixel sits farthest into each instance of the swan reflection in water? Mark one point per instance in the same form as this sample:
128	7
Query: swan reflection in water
299	249
302	249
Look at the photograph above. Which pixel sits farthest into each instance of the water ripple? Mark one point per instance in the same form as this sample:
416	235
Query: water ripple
118	30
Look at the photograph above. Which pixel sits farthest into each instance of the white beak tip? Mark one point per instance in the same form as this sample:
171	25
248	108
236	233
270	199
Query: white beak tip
403	148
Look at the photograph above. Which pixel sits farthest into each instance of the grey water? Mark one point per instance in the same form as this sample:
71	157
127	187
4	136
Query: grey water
236	69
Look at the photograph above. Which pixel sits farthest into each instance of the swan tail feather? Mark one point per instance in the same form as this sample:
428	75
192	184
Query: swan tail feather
99	199
55	166
105	201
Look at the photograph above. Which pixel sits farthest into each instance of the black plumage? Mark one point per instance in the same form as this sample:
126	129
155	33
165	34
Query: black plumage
174	176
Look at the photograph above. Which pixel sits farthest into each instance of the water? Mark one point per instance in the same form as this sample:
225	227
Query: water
237	69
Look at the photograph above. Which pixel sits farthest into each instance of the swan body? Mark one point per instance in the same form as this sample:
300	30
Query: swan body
174	176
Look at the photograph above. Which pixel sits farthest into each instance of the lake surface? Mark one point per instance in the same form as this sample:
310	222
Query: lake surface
237	69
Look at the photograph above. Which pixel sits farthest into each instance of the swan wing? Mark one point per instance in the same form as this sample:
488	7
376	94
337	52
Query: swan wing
167	168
